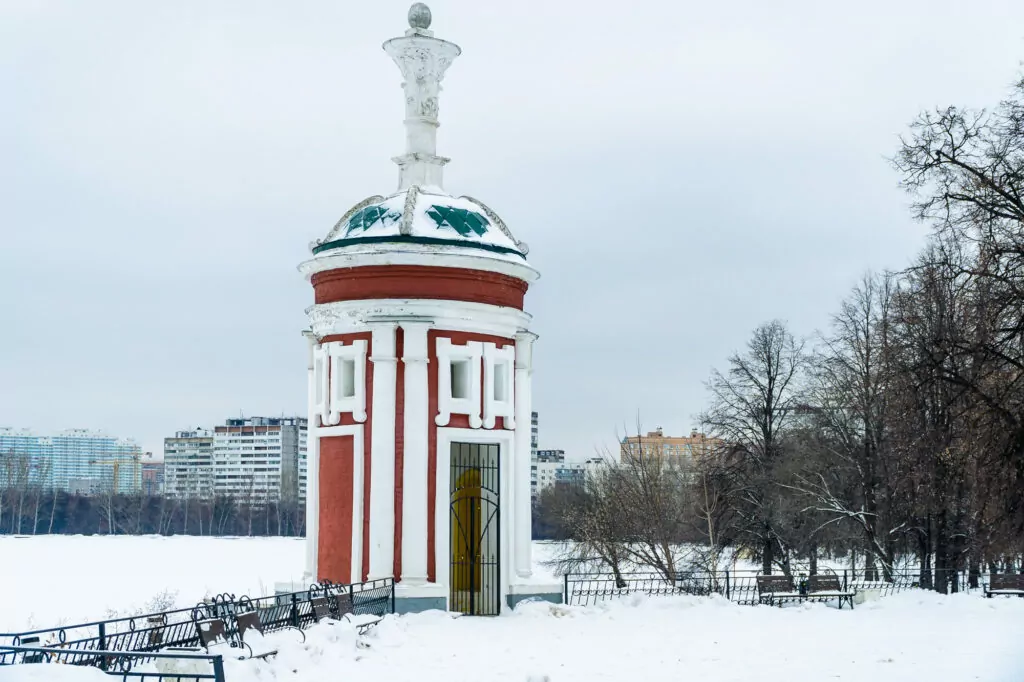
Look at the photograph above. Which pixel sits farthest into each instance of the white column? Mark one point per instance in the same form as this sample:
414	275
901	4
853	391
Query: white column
382	452
414	474
312	464
522	531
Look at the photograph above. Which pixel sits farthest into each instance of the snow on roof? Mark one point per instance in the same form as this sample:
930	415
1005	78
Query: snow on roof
425	216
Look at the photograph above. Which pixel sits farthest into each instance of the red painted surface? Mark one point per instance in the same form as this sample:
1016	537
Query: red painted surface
399	448
334	543
347	420
420	282
456	421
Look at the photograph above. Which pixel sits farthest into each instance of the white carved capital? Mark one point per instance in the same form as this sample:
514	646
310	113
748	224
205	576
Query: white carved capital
423	62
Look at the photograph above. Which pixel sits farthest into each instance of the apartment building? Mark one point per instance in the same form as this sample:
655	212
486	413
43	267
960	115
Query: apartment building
188	464
260	458
75	460
684	450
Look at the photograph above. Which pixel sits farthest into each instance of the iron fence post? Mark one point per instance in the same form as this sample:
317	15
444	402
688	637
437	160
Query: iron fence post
218	669
727	594
392	595
565	588
844	580
352	596
103	645
295	610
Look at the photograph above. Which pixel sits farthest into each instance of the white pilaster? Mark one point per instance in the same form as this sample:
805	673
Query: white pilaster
382	451
415	472
521	491
312	463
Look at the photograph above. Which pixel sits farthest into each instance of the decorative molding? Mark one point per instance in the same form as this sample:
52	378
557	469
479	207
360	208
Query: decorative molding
499	385
409	210
524	349
496	220
376	199
346	317
423	62
413	253
339	377
458	381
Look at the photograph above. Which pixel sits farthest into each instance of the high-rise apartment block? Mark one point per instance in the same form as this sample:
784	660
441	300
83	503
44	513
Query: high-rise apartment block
256	459
260	458
188	464
75	460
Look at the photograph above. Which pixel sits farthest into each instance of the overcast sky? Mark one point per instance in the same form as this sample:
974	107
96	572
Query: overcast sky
682	172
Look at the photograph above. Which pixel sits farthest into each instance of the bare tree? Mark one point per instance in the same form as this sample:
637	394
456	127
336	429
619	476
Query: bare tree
752	405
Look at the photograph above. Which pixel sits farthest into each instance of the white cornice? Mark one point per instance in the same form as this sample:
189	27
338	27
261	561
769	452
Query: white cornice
414	254
347	317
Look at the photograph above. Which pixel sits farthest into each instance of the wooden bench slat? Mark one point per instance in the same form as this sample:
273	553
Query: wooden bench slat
1009	584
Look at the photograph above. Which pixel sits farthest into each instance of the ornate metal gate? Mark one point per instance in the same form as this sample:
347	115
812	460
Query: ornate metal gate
475	536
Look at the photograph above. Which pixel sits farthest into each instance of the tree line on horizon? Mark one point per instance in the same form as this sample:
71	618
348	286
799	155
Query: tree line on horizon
28	508
895	435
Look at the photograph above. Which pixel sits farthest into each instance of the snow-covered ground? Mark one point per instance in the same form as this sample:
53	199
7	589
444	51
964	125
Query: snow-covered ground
919	637
51	580
910	637
48	580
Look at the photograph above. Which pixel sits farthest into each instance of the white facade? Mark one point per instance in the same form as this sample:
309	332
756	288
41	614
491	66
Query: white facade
258	458
542	476
188	464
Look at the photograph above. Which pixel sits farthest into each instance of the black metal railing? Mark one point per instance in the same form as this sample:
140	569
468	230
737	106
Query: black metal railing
129	666
141	637
740	586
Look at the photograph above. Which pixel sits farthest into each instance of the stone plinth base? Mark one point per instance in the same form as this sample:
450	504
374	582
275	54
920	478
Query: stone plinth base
551	593
416	598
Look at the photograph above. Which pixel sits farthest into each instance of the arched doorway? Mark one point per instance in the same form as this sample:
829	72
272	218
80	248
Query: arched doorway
475	521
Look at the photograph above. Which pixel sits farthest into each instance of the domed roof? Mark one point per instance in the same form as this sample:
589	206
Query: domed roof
425	216
421	224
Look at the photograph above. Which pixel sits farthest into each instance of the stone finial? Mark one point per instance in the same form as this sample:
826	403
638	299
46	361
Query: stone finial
419	16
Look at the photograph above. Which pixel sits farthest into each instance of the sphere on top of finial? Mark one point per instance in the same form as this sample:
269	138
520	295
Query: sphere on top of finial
419	16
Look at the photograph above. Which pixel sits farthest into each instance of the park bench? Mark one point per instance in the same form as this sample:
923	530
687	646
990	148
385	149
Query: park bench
363	621
1005	584
322	610
251	622
772	589
828	587
213	632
